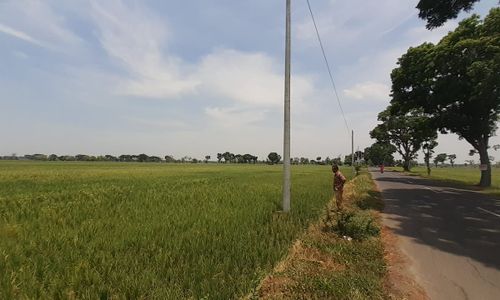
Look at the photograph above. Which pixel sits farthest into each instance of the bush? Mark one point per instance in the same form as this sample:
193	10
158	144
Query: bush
358	225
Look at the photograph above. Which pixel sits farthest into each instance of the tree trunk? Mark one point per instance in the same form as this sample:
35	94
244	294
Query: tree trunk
406	165
485	160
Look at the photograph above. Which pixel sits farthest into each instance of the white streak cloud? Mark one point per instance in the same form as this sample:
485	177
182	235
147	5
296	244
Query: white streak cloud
234	117
20	35
135	39
368	91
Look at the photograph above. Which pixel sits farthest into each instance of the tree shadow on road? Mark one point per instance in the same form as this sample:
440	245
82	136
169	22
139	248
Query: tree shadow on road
447	218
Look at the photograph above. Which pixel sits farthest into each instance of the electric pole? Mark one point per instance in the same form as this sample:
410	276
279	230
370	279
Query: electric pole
286	142
352	154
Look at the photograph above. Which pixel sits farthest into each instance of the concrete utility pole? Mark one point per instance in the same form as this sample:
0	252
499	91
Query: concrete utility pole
352	154
286	142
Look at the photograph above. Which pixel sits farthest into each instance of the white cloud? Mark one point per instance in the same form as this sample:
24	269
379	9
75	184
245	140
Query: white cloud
235	117
351	22
420	34
158	124
368	91
248	78
135	38
36	22
20	35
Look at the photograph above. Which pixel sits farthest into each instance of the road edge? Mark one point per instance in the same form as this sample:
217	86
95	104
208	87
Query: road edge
399	283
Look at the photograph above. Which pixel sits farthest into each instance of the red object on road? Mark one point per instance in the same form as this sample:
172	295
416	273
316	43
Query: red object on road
381	168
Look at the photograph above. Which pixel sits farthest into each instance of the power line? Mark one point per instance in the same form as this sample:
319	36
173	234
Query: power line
327	65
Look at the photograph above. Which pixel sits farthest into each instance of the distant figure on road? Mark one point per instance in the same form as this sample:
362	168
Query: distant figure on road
382	168
338	185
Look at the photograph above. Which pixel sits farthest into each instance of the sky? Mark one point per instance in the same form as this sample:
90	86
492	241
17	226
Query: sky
199	77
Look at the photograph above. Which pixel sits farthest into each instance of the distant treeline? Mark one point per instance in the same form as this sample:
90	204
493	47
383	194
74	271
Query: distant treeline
223	157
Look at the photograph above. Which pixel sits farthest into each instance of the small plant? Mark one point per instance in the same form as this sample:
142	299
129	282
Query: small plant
358	169
356	224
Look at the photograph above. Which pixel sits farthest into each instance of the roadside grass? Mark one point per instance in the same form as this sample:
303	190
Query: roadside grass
323	264
155	231
462	176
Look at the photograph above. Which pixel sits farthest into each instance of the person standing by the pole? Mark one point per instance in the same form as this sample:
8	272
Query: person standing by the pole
338	186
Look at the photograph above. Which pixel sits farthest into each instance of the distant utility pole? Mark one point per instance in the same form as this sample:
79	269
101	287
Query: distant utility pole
286	142
352	154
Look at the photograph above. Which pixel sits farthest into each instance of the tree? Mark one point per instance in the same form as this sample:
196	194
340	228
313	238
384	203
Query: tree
380	153
239	158
428	148
337	161
304	160
219	157
456	83
82	157
207	158
154	159
437	12
407	131
110	158
142	157
169	159
348	160
440	158
452	158
274	158
125	157
248	158
470	162
52	157
318	159
186	158
228	156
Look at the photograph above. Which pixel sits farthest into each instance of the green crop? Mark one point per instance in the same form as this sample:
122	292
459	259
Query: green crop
130	230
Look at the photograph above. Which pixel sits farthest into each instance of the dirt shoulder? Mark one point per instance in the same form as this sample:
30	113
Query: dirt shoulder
399	284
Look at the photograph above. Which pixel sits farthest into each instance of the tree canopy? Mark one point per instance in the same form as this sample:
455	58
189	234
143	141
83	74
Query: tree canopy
437	12
456	83
406	131
274	157
380	154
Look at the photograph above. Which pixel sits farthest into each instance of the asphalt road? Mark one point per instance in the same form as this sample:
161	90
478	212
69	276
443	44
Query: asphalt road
450	235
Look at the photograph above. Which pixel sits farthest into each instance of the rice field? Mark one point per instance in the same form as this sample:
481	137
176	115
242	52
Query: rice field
156	231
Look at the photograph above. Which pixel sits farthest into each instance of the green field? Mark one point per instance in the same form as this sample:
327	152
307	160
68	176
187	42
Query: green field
101	230
462	175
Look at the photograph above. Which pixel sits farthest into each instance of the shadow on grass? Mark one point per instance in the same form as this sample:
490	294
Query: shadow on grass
372	200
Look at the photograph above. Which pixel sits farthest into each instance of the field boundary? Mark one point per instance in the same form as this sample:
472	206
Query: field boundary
323	263
494	190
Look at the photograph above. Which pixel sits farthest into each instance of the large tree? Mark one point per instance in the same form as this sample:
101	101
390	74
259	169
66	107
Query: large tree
428	148
380	154
437	12
440	158
406	131
452	158
456	83
274	158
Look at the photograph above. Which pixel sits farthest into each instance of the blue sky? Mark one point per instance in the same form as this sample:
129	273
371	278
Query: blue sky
198	77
